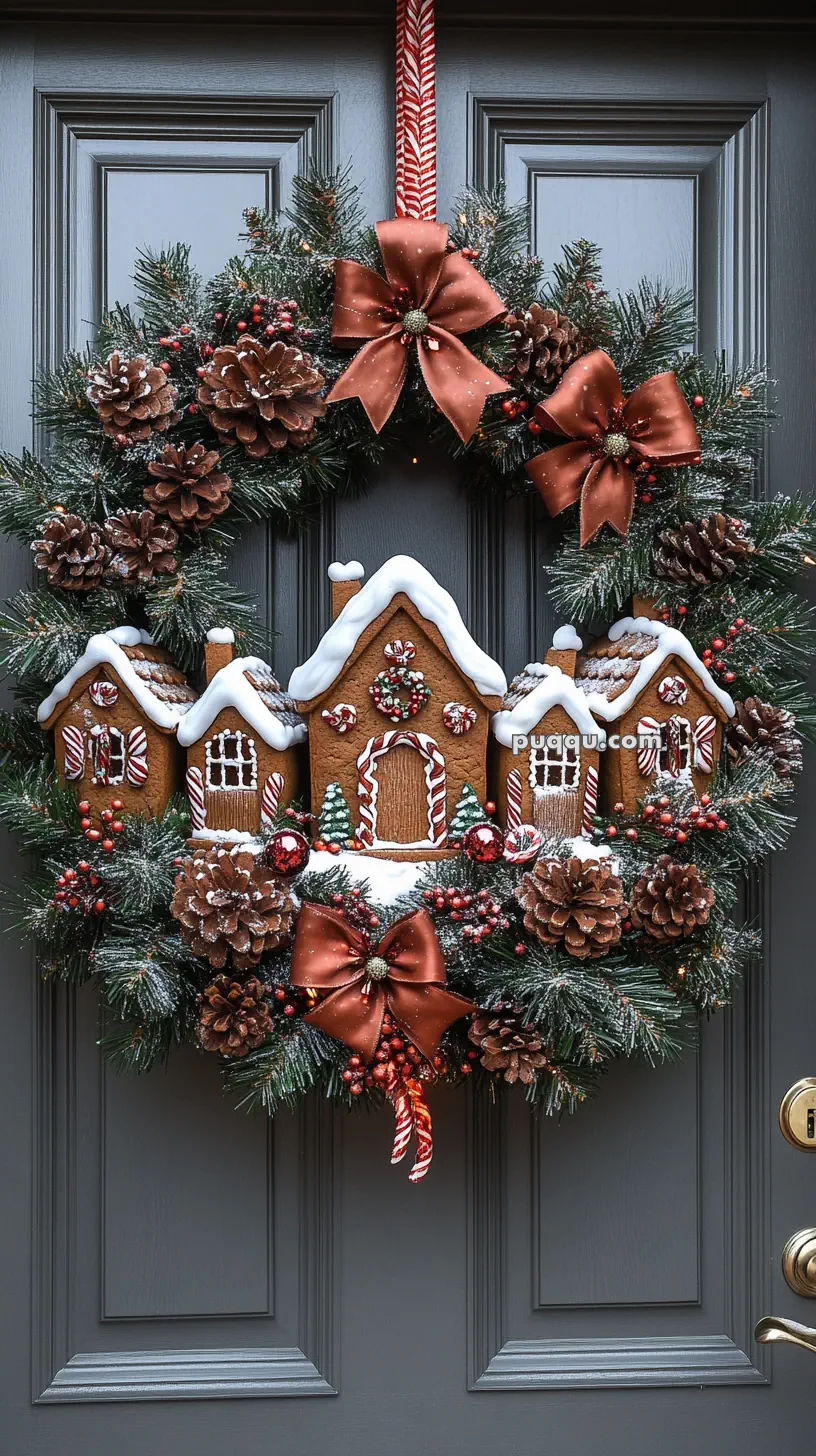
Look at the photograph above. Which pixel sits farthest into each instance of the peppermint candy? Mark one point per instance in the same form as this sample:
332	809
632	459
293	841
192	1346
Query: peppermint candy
672	690
399	651
104	694
458	717
341	717
522	843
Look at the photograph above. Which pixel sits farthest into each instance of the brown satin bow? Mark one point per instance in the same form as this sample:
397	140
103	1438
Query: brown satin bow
428	295
608	432
404	974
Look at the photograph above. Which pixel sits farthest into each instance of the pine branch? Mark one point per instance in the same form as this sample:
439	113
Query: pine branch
182	609
577	291
281	1072
650	325
328	211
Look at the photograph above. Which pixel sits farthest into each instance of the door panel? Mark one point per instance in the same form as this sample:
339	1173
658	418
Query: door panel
179	1251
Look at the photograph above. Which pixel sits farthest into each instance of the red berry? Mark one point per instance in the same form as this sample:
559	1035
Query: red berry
646	499
490	807
288	1009
356	1089
681	836
611	832
165	366
631	834
682	611
83	866
534	427
739	621
241	325
705	799
649	810
93	834
663	801
520	949
117	826
106	816
84	807
619	807
107	845
116	805
665	818
717	643
100	906
698	401
269	330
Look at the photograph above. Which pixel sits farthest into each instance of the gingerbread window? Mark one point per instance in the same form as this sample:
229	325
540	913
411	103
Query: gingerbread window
231	761
106	750
555	766
675	746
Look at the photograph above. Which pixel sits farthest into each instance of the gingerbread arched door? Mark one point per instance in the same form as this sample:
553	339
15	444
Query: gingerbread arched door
402	797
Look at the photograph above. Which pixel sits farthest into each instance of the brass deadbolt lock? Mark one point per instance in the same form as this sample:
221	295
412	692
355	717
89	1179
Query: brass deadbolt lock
797	1114
799	1263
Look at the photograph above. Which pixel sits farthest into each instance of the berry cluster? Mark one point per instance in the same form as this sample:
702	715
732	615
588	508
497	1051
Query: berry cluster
479	914
80	889
395	1060
356	911
721	645
702	816
110	821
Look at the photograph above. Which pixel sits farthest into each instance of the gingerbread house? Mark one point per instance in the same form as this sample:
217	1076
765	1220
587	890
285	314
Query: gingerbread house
644	680
114	718
547	747
242	741
398	697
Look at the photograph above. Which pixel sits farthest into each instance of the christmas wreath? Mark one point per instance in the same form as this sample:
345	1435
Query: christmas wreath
525	958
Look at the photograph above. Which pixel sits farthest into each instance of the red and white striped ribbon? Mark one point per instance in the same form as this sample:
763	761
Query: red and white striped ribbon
416	110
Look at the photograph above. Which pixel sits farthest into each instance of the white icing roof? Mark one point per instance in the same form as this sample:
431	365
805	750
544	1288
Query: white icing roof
248	685
554	688
400	574
599	677
144	678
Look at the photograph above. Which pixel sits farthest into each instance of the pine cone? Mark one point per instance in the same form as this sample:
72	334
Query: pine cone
142	546
188	488
577	904
132	397
701	551
507	1045
230	907
670	900
265	398
547	342
73	553
234	1018
758	726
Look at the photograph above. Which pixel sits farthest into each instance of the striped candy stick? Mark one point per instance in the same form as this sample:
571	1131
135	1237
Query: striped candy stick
513	787
195	795
705	730
590	805
136	769
74	751
270	798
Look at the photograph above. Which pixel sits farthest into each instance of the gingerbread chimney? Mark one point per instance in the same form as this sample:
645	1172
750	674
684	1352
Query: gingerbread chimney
345	582
218	650
566	645
645	607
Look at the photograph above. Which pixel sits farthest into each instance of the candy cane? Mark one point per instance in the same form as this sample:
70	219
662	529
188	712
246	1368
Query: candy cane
590	807
522	843
136	767
74	751
705	730
648	732
415	110
435	781
404	1125
270	798
423	1127
513	787
195	794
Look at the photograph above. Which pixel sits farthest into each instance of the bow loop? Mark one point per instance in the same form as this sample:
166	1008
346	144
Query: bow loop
330	955
428	298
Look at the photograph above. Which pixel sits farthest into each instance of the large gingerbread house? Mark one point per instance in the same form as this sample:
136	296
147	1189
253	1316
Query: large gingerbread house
644	680
548	746
398	698
242	741
114	716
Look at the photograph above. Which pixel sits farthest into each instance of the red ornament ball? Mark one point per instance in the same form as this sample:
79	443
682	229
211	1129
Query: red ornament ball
286	852
484	843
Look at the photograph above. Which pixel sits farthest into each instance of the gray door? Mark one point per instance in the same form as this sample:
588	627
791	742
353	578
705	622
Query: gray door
170	1268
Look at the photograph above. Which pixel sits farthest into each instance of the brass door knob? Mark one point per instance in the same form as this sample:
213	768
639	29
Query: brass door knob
772	1331
799	1262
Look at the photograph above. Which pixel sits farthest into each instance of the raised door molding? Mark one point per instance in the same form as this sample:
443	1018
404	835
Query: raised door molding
723	147
82	140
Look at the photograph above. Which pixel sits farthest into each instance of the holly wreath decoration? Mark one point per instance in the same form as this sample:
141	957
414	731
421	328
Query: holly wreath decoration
247	398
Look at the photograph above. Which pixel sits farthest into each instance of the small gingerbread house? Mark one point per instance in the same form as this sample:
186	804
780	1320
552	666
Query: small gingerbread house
547	747
115	716
399	698
645	679
242	741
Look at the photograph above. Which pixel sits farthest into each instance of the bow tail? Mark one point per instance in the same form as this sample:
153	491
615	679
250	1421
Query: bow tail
353	1014
558	474
458	383
608	496
375	376
425	1012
